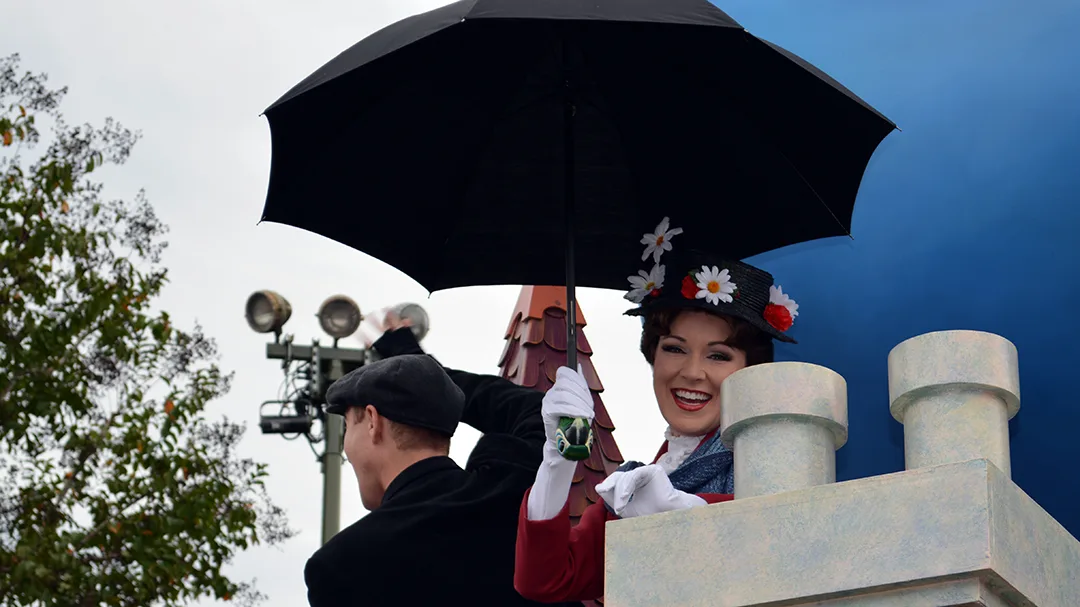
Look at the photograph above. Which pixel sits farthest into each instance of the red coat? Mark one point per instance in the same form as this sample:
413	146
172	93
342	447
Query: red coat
556	562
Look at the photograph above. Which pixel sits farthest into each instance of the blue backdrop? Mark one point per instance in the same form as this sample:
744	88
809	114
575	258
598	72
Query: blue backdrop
967	219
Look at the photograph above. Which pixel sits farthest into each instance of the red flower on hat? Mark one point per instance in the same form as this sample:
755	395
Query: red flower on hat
779	317
689	287
782	310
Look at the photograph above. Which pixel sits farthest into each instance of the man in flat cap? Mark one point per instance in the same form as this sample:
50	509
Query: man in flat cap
436	534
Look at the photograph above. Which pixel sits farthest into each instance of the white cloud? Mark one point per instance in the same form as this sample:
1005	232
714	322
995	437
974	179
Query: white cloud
194	77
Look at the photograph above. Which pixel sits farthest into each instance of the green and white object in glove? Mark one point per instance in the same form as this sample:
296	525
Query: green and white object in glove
574	438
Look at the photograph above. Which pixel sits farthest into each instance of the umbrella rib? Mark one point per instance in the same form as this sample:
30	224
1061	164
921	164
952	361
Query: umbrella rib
794	168
816	195
785	157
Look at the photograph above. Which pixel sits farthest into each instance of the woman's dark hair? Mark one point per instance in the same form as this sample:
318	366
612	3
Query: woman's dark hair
744	336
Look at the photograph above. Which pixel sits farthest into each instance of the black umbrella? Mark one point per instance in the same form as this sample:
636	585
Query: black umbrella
493	141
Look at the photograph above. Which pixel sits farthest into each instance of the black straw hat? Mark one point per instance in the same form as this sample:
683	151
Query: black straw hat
688	279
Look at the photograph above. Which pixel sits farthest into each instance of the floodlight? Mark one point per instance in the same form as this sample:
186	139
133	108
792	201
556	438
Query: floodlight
339	316
284	424
267	312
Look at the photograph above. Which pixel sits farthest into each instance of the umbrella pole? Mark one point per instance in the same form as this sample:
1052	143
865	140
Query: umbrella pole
574	436
568	200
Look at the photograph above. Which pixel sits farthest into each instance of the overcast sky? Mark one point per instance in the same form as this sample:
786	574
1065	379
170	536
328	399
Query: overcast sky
194	77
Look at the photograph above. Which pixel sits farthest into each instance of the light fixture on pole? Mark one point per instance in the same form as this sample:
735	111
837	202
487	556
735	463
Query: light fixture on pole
339	317
298	422
267	312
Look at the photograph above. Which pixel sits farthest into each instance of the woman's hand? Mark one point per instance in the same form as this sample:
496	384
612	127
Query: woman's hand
568	397
643	491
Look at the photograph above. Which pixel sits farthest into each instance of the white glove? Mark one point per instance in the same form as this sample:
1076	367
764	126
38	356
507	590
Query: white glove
568	397
643	491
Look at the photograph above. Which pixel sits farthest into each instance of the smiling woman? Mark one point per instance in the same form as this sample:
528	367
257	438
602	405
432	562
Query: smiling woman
692	353
721	316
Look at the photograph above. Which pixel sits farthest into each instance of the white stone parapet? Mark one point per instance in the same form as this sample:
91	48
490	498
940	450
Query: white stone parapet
951	531
956	535
955	392
784	422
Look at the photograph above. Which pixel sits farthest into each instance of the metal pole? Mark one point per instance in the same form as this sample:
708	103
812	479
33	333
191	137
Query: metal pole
331	465
568	205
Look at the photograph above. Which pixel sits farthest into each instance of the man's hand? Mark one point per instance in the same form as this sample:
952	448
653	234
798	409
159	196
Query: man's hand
642	491
382	322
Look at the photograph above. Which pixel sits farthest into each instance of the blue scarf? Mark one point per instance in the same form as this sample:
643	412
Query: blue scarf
709	469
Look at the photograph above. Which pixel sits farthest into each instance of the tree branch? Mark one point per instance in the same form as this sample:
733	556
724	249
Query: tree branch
86	454
17	377
119	518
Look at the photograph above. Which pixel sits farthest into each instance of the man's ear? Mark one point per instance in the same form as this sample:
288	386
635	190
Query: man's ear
374	424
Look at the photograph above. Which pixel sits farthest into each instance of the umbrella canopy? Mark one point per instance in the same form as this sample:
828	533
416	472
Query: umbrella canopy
472	144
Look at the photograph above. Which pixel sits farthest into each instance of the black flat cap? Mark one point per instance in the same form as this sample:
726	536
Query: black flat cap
411	389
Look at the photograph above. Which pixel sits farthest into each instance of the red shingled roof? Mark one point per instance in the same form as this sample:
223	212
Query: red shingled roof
535	349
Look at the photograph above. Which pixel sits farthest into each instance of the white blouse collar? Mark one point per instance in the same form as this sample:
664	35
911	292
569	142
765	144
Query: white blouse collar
679	448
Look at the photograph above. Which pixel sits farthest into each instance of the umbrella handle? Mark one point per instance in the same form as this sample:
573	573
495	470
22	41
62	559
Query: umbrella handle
574	438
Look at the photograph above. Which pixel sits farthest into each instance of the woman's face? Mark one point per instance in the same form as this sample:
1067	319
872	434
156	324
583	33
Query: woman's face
690	364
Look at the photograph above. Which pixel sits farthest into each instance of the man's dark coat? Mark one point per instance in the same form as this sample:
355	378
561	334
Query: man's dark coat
442	535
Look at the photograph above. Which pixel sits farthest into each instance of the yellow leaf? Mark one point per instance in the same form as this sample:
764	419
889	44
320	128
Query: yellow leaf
22	111
139	446
7	138
64	207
